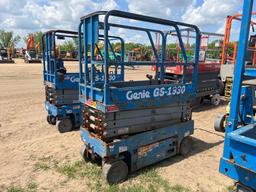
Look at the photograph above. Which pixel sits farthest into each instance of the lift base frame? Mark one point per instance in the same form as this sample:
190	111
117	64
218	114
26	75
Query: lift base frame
142	149
65	111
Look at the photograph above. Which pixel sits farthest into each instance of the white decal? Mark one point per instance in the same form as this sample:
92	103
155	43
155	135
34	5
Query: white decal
157	92
68	111
122	149
130	95
186	134
74	79
101	77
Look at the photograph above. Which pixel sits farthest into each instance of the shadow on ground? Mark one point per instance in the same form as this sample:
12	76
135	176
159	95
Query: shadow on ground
206	105
199	146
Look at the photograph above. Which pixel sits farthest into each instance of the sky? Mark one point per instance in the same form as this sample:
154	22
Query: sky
25	16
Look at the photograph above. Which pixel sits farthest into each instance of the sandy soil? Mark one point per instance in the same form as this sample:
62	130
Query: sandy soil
26	137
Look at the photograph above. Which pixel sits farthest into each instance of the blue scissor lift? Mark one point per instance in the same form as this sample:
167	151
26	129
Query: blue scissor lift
132	124
239	157
61	87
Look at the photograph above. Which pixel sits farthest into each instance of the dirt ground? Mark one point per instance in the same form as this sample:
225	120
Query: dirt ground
26	139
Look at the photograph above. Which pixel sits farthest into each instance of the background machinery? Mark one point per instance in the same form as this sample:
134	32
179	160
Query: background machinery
5	56
61	87
229	53
32	52
8	41
209	85
128	125
239	156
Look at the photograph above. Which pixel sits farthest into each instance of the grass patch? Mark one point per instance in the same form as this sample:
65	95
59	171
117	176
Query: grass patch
179	188
45	164
70	170
41	166
231	188
15	189
31	187
150	180
145	180
79	169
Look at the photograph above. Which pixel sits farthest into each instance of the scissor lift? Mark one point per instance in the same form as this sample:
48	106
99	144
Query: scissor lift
239	157
209	86
61	87
128	125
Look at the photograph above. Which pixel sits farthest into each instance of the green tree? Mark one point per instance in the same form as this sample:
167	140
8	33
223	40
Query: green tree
38	37
7	39
131	46
68	46
75	40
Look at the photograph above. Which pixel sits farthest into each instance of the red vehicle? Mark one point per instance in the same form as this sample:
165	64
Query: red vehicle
209	85
31	55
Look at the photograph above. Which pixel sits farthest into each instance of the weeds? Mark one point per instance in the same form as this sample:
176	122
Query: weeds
231	188
30	187
45	164
179	188
145	180
41	166
15	189
150	180
70	170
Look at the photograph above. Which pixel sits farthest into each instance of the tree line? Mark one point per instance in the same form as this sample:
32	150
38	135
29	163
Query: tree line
8	39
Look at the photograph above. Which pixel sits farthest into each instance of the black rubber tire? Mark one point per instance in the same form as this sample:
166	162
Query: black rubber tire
53	120
185	146
83	153
219	122
241	188
115	172
64	125
48	119
215	99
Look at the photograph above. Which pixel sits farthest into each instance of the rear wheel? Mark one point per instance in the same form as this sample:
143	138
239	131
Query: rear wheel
115	172
219	122
186	145
64	125
215	99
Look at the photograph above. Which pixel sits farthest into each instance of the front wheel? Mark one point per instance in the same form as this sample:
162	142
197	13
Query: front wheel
51	120
64	125
219	123
115	172
84	153
241	188
48	118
